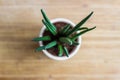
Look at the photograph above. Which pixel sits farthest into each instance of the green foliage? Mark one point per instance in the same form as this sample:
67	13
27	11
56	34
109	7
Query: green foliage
65	29
82	32
65	40
49	27
60	48
47	20
75	43
67	35
40	48
83	28
51	44
65	51
44	38
79	24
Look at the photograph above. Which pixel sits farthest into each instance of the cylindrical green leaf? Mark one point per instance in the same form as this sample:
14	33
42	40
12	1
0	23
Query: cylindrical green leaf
80	24
60	50
82	32
49	28
65	29
44	38
40	48
47	20
51	44
66	40
66	51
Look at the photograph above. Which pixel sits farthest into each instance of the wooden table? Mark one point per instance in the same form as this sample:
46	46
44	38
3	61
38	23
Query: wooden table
97	59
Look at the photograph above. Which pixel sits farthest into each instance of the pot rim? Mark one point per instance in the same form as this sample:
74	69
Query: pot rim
57	57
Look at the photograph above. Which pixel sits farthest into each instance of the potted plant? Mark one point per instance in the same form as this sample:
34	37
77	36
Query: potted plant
60	39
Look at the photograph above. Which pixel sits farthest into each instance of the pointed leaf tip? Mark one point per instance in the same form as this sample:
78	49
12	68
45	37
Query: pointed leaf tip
60	48
40	48
51	44
66	51
80	24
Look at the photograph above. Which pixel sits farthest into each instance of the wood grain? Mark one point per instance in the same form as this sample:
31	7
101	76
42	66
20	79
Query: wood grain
97	59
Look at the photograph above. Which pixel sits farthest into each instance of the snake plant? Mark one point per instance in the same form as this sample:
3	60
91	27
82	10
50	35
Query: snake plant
69	35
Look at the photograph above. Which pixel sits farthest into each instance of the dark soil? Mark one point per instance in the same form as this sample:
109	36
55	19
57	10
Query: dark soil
54	50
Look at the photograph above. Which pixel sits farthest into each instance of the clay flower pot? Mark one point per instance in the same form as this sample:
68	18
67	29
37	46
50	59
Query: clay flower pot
50	55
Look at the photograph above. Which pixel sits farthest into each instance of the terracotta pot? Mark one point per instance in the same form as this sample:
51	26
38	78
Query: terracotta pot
57	57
